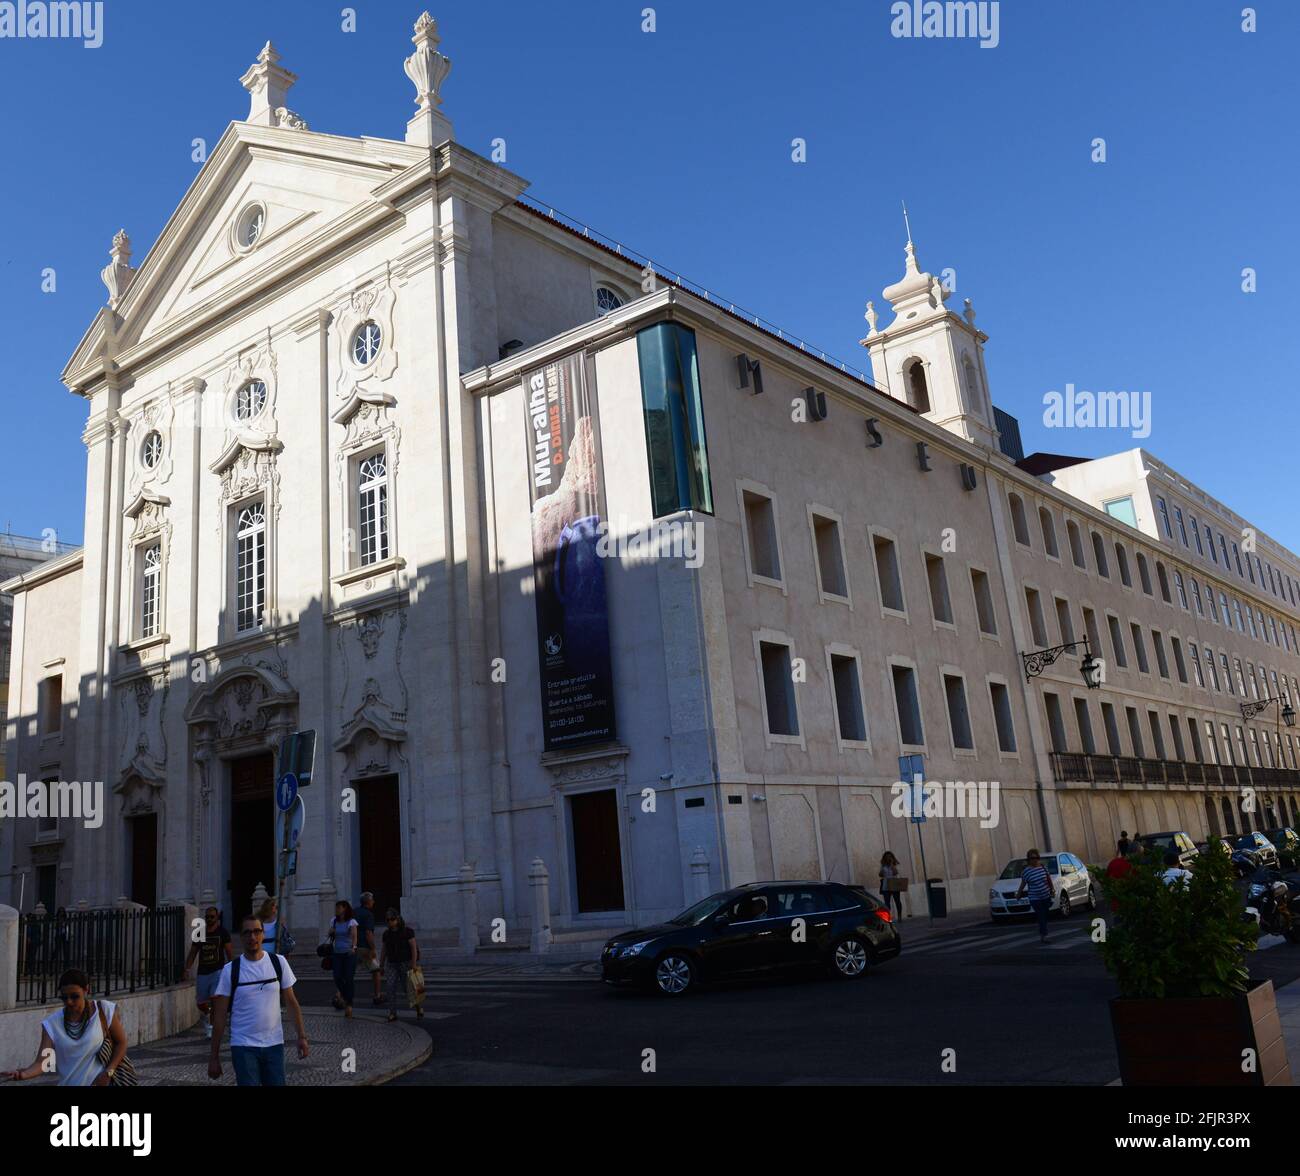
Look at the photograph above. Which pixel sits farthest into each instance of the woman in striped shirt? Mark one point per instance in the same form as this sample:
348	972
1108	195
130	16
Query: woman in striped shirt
1036	879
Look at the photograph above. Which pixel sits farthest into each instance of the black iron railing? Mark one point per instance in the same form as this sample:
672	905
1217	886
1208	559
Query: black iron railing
121	951
1074	767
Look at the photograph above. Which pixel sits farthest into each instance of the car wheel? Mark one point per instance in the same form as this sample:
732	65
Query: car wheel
674	974
1065	905
1092	898
850	958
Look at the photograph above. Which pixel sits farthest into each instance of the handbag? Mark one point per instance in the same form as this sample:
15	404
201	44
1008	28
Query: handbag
124	1075
286	944
415	984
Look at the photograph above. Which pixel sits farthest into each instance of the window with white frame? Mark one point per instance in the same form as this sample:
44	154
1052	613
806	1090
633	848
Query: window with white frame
250	566
372	509
151	591
250	400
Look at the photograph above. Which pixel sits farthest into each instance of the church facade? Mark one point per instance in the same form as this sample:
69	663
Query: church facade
571	568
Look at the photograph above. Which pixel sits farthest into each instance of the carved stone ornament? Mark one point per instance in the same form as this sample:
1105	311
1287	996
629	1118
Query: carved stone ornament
143	723
256	363
426	67
284	117
354	382
118	273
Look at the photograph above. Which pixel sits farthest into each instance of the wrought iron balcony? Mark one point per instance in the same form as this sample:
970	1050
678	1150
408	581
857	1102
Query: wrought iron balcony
1073	767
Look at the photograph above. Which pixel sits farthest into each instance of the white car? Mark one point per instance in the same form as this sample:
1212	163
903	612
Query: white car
1073	886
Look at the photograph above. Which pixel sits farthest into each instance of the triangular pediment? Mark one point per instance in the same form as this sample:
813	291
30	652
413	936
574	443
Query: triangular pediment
308	184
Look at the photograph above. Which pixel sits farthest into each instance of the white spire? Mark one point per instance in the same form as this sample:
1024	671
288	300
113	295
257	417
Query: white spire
427	69
267	85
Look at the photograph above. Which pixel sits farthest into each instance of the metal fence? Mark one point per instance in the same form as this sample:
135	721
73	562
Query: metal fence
122	951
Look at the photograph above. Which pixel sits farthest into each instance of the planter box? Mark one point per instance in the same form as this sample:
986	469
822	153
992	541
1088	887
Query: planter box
1200	1041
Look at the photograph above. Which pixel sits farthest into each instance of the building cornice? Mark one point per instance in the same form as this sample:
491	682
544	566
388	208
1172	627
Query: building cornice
43	573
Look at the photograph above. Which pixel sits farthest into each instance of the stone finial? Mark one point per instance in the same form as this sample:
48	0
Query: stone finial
427	69
871	317
118	273
267	85
969	313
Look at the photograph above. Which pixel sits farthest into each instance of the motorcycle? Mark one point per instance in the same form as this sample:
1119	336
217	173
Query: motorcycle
1271	903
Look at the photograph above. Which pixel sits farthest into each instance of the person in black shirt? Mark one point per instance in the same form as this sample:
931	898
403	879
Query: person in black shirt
213	952
399	952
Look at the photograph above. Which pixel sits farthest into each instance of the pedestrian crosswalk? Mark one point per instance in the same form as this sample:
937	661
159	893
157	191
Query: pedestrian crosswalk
989	941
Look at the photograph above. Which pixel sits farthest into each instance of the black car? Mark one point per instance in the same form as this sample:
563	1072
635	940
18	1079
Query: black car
1261	847
761	927
1176	841
1284	839
1244	861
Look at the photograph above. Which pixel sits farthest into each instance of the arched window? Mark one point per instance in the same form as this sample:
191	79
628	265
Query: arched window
372	496
1099	554
918	390
250	567
1019	524
972	383
1121	558
607	300
1048	528
1076	544
1144	573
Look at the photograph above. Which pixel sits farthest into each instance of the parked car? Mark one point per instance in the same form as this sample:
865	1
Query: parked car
1070	878
1179	842
1284	839
1244	861
752	929
1263	849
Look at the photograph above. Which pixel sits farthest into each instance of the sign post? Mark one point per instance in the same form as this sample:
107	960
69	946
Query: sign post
911	771
293	773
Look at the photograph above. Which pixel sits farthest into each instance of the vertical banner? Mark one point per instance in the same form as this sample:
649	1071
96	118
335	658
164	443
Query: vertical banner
568	575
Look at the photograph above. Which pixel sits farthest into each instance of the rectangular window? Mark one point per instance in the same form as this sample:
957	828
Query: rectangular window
1209	543
1122	509
1196	534
1055	722
1135	731
1063	621
1112	729
778	689
1139	648
848	698
1180	667
830	556
1227	673
1117	642
908	706
954	690
1176	734
1164	516
1001	700
1196	739
760	525
1037	626
151	591
1084	722
979	582
1196	664
937	575
1157	736
1090	631
250	566
1182	529
372	508
1236	556
676	447
891	585
52	705
1158	641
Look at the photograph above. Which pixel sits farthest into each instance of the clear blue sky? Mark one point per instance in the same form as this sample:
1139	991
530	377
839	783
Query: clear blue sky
1123	275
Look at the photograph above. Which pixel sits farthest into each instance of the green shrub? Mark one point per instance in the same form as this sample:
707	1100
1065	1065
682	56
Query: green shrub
1176	941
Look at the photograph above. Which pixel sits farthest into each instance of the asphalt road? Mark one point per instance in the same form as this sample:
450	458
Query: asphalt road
1013	1012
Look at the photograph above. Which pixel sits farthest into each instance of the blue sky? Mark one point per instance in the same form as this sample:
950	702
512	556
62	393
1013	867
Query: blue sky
1122	275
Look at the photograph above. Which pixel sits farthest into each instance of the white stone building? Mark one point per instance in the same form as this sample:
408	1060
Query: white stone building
313	448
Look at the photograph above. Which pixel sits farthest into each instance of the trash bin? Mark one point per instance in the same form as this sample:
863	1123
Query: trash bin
936	894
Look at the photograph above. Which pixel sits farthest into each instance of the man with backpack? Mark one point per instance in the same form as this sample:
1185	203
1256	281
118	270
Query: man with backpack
249	991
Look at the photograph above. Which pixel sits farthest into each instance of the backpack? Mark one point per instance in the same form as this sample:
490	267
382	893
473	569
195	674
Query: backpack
234	980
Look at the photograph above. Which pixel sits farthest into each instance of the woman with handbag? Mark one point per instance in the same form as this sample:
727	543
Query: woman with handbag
87	1040
343	938
399	956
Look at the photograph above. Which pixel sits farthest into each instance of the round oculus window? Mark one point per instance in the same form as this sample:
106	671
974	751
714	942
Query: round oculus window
365	343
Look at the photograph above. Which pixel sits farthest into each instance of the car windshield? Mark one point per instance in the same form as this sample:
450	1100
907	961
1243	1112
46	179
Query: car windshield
694	916
1016	868
1159	841
1247	842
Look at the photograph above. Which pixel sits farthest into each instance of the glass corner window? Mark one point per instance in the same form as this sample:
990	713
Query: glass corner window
674	419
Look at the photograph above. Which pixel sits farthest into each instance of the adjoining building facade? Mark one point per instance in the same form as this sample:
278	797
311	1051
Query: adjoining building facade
564	562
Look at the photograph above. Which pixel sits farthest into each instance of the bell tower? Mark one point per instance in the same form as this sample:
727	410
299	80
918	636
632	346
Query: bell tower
932	358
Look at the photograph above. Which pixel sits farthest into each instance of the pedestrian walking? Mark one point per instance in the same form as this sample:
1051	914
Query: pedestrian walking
214	952
248	992
75	1037
1119	867
889	870
343	935
1174	874
399	953
269	913
1123	843
1035	879
367	948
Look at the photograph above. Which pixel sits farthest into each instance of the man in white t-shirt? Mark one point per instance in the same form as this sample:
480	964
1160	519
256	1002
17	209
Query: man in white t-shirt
256	1035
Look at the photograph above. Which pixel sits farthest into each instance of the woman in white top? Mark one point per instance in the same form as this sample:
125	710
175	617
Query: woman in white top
269	914
75	1035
